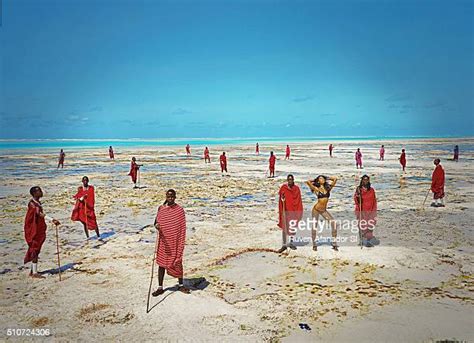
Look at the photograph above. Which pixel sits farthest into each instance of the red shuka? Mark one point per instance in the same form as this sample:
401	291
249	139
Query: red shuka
84	210
288	151
62	155
257	149
293	206
223	161
272	161
172	235
206	153
403	159
35	230
134	171
437	182
188	150
111	153
367	214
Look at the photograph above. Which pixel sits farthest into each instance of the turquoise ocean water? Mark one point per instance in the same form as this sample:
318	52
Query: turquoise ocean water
97	143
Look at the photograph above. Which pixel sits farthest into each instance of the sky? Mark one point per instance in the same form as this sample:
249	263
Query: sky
261	68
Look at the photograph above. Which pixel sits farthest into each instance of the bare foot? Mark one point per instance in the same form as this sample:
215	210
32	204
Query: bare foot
36	276
158	292
335	248
283	248
184	290
315	247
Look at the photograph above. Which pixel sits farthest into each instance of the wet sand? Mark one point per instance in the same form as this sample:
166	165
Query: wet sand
417	285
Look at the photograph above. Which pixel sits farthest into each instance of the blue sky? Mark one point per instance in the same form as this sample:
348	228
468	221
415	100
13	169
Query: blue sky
153	69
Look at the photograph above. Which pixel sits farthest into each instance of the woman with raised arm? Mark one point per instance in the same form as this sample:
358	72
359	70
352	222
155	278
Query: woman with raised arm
322	187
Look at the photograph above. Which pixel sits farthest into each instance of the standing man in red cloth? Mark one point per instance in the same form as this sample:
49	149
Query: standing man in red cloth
288	151
403	160
382	153
257	149
171	225
207	157
331	148
437	184
456	153
290	209
358	158
188	150
62	156
35	230
84	208
134	167
271	165
111	153
223	162
366	211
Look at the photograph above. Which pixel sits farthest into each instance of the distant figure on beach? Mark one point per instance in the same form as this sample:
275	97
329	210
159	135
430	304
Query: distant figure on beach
170	222
331	148
35	230
207	157
382	153
403	160
223	162
62	156
134	170
271	164
84	208
111	153
456	153
437	184
257	149
188	150
366	211
290	209
322	187
287	153
358	159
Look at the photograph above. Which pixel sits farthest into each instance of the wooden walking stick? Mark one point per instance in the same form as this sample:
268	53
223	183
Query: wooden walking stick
360	217
152	272
57	250
426	197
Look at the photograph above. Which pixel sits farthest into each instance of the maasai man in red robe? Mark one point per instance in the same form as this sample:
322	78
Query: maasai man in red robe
223	162
437	184
403	160
331	147
207	157
290	209
111	153
35	230
358	158
188	149
287	153
84	208
171	225
134	167
257	149
382	153
62	156
366	211
271	165
456	153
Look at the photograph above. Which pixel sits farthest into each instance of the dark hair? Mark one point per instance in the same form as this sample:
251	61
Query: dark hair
360	184
169	191
85	177
33	190
317	184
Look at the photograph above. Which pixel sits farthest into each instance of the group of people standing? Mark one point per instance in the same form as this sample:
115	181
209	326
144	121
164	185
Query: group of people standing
170	220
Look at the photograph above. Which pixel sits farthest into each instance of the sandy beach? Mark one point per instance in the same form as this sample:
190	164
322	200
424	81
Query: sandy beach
416	286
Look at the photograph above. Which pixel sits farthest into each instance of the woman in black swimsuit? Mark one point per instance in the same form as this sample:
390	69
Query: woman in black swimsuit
322	186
